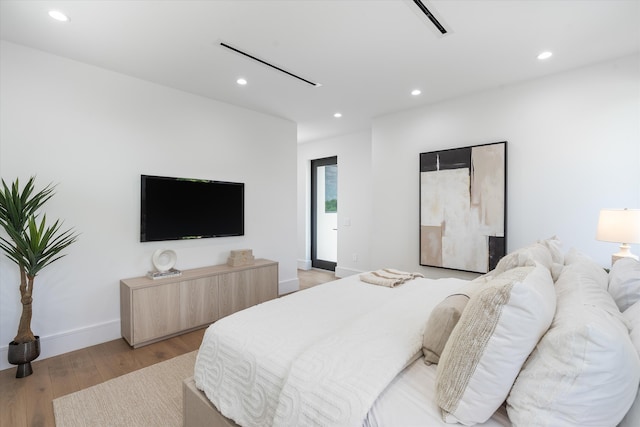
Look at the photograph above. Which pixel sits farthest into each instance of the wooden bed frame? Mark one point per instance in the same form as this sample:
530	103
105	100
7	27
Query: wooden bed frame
198	411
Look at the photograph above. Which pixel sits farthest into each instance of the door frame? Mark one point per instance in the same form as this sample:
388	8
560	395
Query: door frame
315	262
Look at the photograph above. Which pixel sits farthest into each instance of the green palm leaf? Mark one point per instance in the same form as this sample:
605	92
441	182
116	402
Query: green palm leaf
17	206
40	245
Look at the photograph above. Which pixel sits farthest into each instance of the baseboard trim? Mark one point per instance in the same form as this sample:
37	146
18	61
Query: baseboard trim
64	342
304	264
346	272
288	286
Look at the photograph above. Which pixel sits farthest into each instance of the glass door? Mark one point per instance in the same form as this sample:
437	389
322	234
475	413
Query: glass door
324	213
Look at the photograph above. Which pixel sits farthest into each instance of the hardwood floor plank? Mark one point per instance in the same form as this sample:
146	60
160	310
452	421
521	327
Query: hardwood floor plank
84	369
62	378
13	397
38	402
113	358
73	371
156	352
193	339
313	277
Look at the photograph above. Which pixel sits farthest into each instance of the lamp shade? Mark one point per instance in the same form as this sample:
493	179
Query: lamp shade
619	225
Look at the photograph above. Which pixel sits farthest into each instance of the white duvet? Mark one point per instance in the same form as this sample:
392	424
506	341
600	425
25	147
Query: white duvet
319	357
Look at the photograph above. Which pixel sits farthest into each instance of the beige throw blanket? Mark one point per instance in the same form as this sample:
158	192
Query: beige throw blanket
388	277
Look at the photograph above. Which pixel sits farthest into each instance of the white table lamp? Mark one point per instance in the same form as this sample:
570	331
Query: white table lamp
620	226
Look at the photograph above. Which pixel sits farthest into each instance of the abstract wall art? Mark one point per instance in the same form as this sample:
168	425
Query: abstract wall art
463	207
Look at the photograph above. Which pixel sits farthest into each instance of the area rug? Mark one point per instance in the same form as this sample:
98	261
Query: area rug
151	396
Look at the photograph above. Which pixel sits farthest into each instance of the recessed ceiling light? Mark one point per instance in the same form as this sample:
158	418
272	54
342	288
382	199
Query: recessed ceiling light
545	55
241	81
58	16
337	115
416	92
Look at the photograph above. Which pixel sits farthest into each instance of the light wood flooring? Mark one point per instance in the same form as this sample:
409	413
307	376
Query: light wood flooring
27	401
313	277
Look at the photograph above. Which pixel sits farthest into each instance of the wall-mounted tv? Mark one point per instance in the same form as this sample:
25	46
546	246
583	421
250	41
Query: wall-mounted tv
181	208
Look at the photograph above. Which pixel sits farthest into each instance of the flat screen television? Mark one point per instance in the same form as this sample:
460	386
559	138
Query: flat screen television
181	208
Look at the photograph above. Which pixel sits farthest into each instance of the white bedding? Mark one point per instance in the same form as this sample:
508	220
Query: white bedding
409	401
317	357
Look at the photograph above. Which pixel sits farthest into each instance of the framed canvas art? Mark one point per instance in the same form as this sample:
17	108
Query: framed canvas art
463	207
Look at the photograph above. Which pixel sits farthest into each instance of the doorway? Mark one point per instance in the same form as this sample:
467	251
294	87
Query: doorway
324	213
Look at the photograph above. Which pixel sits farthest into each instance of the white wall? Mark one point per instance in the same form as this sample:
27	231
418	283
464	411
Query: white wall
573	148
94	132
354	199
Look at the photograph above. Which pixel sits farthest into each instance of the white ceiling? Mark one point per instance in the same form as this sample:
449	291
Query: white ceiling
368	55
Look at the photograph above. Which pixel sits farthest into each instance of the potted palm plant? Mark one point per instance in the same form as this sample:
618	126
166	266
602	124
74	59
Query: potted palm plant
32	245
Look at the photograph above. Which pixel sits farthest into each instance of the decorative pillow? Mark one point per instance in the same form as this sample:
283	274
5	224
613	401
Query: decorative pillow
585	370
624	282
553	244
498	329
590	270
525	257
632	314
444	318
586	281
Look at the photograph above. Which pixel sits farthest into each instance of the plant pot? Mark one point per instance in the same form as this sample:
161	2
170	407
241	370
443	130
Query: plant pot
22	355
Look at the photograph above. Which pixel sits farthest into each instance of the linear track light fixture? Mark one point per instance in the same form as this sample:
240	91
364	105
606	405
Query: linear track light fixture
227	46
431	17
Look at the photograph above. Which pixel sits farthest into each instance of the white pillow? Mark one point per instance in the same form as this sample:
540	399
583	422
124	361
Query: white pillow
632	314
554	245
587	281
585	370
574	255
525	257
624	282
590	269
499	327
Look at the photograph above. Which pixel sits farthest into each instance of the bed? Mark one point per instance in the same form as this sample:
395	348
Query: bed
526	344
